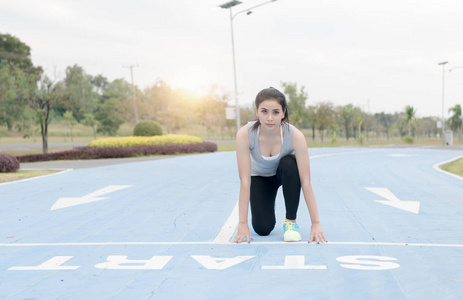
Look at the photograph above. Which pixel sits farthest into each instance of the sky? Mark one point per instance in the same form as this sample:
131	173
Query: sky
378	55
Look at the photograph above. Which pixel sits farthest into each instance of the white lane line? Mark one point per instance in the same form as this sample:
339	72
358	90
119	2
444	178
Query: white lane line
341	153
230	244
226	233
438	165
38	177
228	229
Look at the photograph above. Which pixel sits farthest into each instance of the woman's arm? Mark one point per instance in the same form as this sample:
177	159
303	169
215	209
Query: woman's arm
303	165
244	170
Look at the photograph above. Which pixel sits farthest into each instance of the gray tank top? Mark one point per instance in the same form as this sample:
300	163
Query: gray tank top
266	167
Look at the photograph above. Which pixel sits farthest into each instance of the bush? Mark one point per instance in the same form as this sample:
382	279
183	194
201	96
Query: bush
8	163
408	139
119	152
147	128
142	140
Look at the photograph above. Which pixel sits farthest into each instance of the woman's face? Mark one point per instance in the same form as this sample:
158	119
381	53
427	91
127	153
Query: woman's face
270	114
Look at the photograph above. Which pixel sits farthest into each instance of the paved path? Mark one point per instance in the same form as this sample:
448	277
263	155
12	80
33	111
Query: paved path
39	145
160	229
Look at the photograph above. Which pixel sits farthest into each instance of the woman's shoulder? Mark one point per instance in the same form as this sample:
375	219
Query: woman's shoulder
289	127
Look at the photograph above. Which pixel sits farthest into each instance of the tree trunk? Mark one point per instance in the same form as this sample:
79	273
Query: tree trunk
347	130
9	124
44	129
313	131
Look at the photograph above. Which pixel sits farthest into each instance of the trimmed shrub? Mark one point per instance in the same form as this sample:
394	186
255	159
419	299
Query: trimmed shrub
145	140
8	163
147	128
120	152
408	139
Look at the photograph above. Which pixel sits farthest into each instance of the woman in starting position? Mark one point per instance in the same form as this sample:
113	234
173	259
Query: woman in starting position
272	153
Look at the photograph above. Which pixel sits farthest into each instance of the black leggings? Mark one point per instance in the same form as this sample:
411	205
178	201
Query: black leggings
264	191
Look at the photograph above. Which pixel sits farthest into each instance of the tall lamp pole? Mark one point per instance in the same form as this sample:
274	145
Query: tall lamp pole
443	82
134	100
229	5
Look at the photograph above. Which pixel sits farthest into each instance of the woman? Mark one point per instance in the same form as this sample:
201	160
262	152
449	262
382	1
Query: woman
272	153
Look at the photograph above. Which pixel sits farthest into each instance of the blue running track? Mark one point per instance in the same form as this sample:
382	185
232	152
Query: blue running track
161	229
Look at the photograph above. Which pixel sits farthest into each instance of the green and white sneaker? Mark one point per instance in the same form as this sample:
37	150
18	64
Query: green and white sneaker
292	233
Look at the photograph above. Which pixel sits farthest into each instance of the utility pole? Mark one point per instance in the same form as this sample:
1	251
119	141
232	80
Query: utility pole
443	82
135	110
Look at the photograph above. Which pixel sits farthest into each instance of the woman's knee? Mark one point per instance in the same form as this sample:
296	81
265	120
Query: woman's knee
263	229
288	163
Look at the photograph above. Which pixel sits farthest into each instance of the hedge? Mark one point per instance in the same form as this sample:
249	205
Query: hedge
147	128
8	163
119	152
145	140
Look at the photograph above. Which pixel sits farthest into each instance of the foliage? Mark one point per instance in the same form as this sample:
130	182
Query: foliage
89	120
139	140
455	120
43	100
147	128
408	139
120	152
325	116
410	112
346	115
17	77
79	96
13	52
70	121
8	163
298	114
109	116
211	110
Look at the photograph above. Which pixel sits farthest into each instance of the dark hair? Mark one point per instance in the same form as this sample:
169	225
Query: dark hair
267	94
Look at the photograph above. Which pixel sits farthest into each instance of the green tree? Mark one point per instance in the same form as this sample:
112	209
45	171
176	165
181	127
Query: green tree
455	120
334	129
80	97
110	111
100	83
296	103
89	120
109	117
410	112
384	120
27	124
70	122
13	52
43	99
346	115
359	125
324	116
17	73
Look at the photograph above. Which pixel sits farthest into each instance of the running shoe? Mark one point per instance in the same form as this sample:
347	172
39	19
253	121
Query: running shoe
292	233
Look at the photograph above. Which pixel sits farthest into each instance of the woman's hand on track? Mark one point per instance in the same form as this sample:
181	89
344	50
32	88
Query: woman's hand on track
316	234
243	232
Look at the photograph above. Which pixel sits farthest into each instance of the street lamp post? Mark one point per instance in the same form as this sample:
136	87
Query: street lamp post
443	81
229	5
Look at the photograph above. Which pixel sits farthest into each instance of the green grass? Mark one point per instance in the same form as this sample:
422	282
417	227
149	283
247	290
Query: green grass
23	174
455	167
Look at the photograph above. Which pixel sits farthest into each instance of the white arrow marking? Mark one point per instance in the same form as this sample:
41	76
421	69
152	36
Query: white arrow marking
411	206
92	197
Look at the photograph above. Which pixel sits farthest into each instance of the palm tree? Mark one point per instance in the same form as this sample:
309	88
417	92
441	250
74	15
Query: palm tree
410	112
455	120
